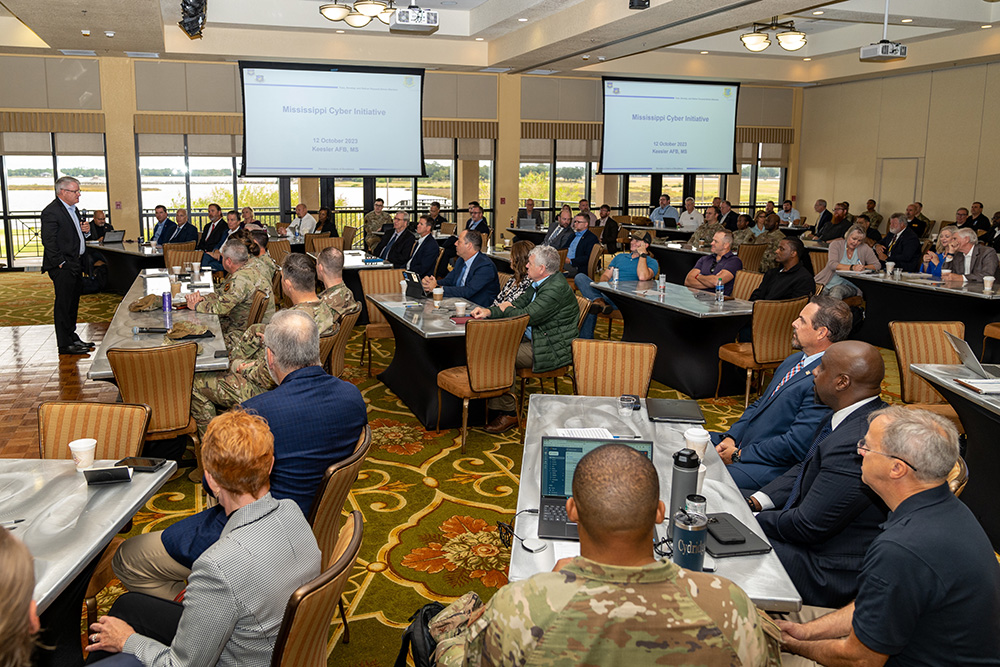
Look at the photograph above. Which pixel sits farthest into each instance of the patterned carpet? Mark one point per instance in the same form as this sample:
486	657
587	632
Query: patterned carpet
430	512
27	299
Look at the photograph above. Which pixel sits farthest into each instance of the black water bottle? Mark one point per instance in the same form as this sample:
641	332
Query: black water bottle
683	482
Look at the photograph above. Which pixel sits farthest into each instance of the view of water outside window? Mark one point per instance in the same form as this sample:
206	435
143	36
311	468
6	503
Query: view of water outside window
162	182
30	183
436	186
90	171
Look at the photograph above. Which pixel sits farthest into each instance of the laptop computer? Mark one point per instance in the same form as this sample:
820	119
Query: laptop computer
114	236
526	223
414	289
989	371
559	459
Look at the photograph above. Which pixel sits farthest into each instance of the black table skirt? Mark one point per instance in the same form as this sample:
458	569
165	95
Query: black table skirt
674	263
123	268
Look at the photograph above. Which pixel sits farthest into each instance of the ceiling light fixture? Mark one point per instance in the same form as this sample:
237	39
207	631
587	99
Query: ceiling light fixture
818	12
789	38
357	20
986	26
384	15
479	39
336	11
704	53
522	20
85	32
370	8
360	13
907	21
806	59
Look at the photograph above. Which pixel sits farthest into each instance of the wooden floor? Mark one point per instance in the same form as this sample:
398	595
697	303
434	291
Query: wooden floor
32	372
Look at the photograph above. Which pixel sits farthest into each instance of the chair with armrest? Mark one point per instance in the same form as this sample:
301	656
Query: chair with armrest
174	256
745	283
348	237
258	306
335	363
925	343
751	254
305	628
279	250
377	281
327	242
612	368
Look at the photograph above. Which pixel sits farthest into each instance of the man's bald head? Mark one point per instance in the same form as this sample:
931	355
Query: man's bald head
850	371
616	490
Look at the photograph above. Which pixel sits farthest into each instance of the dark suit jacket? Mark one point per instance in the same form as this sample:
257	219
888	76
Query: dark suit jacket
822	538
482	226
558	239
729	220
211	241
399	253
481	285
775	432
424	257
306	442
824	219
59	238
984	263
186	233
583	248
918	226
906	251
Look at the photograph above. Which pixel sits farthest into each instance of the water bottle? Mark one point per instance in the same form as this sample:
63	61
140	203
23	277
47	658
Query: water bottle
614	275
720	291
683	482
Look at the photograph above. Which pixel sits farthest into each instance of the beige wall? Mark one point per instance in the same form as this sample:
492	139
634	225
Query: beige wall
925	137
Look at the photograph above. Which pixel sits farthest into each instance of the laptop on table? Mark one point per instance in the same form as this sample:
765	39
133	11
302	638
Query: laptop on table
965	353
114	236
559	459
414	288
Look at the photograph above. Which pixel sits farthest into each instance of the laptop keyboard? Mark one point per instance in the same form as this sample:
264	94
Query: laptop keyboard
554	513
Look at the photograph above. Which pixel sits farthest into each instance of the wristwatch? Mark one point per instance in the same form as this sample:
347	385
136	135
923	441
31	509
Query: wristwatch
736	456
643	254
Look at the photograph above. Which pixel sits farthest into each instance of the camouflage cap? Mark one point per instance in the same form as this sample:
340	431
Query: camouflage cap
148	302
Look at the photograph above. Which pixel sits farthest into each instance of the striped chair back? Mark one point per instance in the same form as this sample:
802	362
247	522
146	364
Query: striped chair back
562	258
303	638
325	513
584	305
448	227
327	242
160	377
922	343
281	227
310	240
502	278
819	260
641	220
745	283
174	256
491	349
348	236
335	363
379	281
258	307
326	344
596	253
279	250
119	428
612	368
751	254
772	328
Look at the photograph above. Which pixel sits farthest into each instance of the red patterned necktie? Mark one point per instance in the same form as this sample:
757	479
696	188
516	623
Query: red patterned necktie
795	369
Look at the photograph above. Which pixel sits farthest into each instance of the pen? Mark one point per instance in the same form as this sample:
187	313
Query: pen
627	437
6	524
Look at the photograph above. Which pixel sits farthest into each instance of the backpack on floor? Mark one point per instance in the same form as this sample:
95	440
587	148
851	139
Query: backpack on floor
417	637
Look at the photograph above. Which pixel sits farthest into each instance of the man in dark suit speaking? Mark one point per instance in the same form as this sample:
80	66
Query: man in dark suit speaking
819	516
474	277
63	237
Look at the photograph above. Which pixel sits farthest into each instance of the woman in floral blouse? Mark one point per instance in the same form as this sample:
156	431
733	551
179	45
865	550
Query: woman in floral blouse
519	281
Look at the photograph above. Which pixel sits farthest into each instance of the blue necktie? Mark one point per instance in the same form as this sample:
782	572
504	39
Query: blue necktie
820	437
385	253
465	272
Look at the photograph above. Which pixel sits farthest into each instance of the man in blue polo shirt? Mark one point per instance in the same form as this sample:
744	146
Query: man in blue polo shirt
664	210
634	265
929	589
722	265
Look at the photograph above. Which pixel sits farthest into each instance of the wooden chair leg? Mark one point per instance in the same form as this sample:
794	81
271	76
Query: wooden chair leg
465	421
746	398
520	398
91	611
369	357
364	342
555	385
438	427
718	383
343	617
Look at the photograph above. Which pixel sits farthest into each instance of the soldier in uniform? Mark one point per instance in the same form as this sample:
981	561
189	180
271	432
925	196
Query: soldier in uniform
613	604
330	271
262	261
248	374
743	233
706	230
235	295
374	221
772	237
874	216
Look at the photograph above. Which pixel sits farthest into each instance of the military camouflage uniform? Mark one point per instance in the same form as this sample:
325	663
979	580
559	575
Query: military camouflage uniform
341	300
705	232
593	614
231	302
875	217
374	222
772	239
248	374
741	236
264	265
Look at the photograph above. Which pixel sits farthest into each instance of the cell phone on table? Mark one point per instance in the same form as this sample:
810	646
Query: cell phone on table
142	464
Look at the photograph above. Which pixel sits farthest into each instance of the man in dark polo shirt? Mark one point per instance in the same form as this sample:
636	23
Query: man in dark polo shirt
722	265
929	589
791	278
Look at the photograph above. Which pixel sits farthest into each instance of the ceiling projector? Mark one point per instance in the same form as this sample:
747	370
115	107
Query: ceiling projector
414	19
882	52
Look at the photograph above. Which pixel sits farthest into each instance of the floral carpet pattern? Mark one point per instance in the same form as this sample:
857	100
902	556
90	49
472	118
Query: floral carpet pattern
28	298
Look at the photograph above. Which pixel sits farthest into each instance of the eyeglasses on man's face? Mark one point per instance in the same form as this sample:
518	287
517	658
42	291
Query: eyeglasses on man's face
863	450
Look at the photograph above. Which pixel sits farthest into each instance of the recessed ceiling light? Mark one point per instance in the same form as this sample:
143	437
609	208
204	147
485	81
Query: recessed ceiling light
817	12
907	21
704	53
109	33
85	33
806	59
523	20
986	26
340	32
479	39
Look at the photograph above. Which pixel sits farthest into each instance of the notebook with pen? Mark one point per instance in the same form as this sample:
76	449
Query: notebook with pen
559	459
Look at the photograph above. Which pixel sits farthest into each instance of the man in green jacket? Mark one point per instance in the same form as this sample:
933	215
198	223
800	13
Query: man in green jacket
553	317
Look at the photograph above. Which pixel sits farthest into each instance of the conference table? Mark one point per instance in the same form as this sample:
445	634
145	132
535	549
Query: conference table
669	233
67	524
119	334
536	236
918	297
980	415
427	342
688	326
793	230
675	260
125	261
762	576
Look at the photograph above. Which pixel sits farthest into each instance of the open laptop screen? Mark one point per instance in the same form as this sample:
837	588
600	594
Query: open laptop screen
560	456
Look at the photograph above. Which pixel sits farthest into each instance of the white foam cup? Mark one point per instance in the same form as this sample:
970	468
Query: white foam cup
83	452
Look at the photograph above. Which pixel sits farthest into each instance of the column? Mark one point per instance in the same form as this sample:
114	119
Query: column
508	157
118	102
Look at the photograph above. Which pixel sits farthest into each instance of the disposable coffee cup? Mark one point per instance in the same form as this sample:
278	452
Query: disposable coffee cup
195	273
83	452
460	308
702	469
988	283
697	439
889	267
690	530
945	272
175	270
438	296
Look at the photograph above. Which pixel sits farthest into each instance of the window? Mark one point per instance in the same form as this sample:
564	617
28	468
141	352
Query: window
534	184
706	188
436	186
486	184
396	192
29	190
260	194
639	189
570	183
90	171
211	183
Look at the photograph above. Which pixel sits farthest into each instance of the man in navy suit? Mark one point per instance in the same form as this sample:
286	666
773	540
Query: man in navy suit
900	245
474	277
476	221
178	232
425	250
581	243
396	246
213	235
819	516
63	234
776	431
307	440
823	218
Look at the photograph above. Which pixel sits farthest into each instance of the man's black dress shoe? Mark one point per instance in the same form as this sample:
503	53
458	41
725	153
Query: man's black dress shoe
74	348
85	343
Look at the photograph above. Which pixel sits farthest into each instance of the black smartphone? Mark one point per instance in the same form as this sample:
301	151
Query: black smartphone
219	354
142	464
